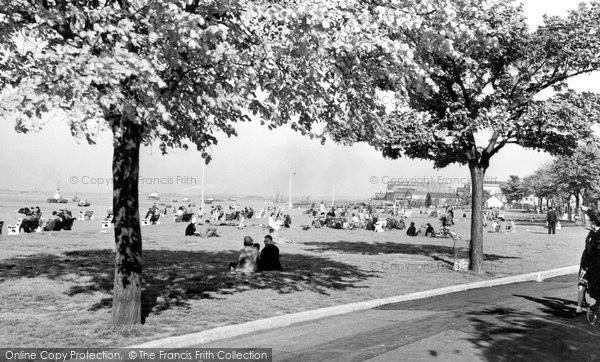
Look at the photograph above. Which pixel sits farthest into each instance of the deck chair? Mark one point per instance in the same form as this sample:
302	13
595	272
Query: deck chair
89	215
107	222
152	219
16	228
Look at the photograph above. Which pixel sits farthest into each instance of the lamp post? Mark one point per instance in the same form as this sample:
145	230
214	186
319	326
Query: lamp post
333	195
202	189
292	173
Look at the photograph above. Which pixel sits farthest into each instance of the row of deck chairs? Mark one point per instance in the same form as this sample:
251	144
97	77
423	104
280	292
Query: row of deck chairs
29	226
87	215
109	220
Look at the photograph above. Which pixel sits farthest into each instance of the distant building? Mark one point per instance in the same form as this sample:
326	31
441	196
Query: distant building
412	193
444	198
380	196
530	200
493	202
424	184
491	186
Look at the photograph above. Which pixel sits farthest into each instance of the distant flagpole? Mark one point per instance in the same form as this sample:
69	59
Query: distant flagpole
333	196
290	205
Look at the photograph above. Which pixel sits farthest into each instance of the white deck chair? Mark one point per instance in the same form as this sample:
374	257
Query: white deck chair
89	215
15	229
106	223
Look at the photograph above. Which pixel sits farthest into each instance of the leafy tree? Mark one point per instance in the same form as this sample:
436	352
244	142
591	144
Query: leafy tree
479	70
147	71
577	174
428	200
513	189
541	184
174	72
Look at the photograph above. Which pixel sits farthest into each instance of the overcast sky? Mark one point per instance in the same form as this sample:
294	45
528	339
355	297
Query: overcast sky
257	162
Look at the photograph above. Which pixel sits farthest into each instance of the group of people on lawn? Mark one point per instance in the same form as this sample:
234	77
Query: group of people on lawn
252	260
206	230
232	213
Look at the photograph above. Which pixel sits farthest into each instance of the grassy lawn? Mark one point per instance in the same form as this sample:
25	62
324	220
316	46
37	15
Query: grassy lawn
55	288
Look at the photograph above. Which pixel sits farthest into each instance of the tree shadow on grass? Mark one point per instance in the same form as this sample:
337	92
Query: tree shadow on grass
172	278
368	248
505	334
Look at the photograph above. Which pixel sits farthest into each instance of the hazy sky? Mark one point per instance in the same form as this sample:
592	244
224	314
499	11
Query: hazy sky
258	161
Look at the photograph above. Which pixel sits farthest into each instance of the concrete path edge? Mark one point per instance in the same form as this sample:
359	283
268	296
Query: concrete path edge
294	318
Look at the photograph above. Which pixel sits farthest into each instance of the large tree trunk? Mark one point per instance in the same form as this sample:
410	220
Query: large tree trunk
476	245
127	294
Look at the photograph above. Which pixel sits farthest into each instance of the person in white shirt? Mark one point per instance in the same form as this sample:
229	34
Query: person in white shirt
355	221
379	226
275	224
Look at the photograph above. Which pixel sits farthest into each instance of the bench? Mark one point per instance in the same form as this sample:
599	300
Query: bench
107	222
16	228
88	215
152	219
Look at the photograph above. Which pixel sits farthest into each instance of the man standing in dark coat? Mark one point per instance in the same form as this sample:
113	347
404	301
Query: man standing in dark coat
269	257
551	219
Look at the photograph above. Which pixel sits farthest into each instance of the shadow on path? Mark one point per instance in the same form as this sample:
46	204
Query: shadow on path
505	334
171	278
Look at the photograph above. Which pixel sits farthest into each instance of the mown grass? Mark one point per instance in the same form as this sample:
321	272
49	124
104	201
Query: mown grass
55	288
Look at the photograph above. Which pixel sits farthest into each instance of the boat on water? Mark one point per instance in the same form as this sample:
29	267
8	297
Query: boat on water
209	200
154	196
83	203
76	199
232	199
58	197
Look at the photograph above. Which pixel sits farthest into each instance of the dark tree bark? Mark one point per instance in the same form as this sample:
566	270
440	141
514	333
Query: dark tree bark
476	246
128	235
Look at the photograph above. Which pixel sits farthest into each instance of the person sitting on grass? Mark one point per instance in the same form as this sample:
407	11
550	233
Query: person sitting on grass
248	260
429	231
412	230
241	225
190	230
287	221
150	213
207	230
269	257
316	223
422	230
495	227
355	221
379	224
274	224
510	227
370	225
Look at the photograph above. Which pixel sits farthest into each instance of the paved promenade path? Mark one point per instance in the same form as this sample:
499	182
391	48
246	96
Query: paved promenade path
525	321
